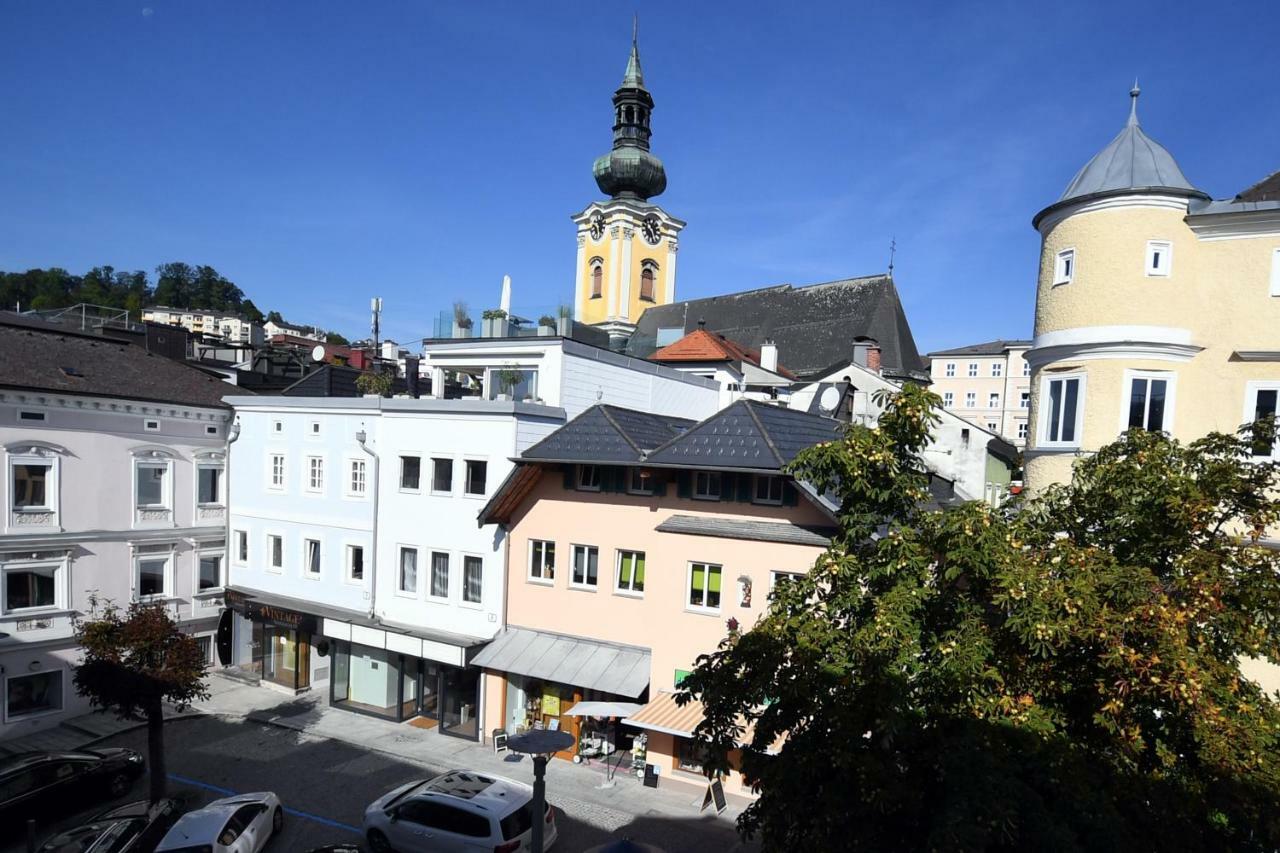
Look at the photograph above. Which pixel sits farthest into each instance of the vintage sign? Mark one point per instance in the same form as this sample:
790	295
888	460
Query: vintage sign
272	614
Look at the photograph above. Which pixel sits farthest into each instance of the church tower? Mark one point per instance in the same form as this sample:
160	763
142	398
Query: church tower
626	245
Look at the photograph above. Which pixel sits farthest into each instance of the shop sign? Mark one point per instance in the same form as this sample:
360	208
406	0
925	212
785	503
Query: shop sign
551	704
282	617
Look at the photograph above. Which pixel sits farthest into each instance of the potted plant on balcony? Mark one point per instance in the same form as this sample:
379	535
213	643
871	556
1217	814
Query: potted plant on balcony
507	378
546	325
461	320
564	320
495	323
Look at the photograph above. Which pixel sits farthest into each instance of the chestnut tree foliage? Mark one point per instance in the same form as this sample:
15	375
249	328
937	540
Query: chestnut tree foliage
135	661
1060	674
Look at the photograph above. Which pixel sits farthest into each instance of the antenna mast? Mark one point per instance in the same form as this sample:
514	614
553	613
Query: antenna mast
375	305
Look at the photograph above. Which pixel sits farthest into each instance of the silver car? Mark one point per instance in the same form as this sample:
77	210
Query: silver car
240	824
461	811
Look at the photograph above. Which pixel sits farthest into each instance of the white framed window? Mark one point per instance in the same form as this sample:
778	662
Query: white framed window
1024	400
779	578
997	369
950	370
973	369
315	473
1262	400
542	561
241	541
311	558
767	490
586	567
1149	401
152	484
313	429
441	476
629	573
472	579
993	400
33	483
355	563
1061	410
153	573
1064	266
439	581
948	399
357	478
209	484
410	474
1026	368
209	576
31	586
277	428
477	478
1275	272
275	552
971	399
588	478
704	587
1022	430
33	694
993	426
1159	258
706	485
640	481
276	481
407	574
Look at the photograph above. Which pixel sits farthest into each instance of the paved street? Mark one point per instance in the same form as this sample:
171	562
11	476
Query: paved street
325	785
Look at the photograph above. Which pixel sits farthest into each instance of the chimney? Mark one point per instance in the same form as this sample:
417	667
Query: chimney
769	355
866	353
411	375
873	357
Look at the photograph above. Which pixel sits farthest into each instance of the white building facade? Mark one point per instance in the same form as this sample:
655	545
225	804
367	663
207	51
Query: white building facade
233	328
988	384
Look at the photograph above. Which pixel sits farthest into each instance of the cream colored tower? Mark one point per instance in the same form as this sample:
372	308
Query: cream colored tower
1156	307
626	245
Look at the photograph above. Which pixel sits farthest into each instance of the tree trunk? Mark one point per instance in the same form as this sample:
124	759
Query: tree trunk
155	750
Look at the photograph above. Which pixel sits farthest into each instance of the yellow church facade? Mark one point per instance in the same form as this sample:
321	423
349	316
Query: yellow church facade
626	260
1157	308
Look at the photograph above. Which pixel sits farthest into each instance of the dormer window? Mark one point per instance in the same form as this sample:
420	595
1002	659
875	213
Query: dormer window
588	478
1064	269
1159	258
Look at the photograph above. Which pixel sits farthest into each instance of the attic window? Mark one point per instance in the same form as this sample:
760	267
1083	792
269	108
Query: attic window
1159	258
706	485
71	371
24	415
151	425
210	430
588	478
1064	269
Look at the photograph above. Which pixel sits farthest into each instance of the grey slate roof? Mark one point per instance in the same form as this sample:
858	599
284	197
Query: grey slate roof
737	528
1131	162
608	667
605	433
746	434
996	347
1267	189
44	357
814	327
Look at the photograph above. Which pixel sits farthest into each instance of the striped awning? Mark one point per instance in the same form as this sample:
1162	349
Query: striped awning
662	714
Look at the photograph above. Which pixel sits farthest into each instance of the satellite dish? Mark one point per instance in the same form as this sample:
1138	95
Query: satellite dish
829	400
317	352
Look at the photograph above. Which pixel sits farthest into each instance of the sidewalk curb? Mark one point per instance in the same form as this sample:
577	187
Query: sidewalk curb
133	727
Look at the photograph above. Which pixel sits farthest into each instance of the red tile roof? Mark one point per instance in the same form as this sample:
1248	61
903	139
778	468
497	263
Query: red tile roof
701	345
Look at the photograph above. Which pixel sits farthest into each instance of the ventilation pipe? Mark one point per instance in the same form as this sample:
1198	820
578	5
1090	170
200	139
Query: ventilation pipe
769	355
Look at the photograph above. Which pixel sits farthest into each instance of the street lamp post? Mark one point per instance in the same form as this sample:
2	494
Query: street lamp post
541	744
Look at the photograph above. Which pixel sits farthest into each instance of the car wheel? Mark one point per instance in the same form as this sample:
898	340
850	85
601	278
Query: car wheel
378	842
277	821
118	785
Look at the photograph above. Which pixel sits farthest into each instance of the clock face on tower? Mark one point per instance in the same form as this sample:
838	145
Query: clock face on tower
652	230
597	227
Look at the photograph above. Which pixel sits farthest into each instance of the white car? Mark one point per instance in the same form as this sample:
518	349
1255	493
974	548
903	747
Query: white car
240	824
461	811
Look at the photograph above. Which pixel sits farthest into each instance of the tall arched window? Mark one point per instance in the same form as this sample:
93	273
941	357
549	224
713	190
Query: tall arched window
647	274
597	279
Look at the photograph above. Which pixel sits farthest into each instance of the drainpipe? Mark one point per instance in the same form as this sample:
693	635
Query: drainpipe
233	435
361	437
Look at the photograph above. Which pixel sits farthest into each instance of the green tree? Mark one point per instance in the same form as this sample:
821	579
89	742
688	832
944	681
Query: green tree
1062	675
274	317
335	338
134	662
251	312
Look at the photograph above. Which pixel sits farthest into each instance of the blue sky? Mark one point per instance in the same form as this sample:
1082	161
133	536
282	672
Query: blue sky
320	153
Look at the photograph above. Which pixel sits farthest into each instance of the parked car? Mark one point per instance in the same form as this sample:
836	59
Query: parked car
131	828
455	812
31	779
240	824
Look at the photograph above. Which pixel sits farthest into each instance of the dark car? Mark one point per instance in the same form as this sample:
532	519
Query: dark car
31	779
133	828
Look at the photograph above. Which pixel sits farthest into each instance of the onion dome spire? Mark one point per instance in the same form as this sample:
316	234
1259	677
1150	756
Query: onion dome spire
629	170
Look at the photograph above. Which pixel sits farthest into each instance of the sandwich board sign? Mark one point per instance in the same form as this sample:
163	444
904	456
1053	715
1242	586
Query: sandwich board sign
714	796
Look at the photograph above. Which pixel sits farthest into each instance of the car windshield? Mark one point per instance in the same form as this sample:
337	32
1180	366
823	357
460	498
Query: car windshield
99	838
517	823
406	792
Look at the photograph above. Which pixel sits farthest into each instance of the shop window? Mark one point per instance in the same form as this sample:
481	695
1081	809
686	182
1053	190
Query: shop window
586	567
768	490
542	560
477	475
209	573
442	476
588	478
282	655
472	579
30	587
690	755
407	582
704	586
355	562
630	578
439	575
706	485
29	695
410	473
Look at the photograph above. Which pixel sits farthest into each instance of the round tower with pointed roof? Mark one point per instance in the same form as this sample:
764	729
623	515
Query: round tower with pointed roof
626	243
1156	308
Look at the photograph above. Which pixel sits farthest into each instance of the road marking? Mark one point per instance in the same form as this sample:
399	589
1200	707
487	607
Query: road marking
227	792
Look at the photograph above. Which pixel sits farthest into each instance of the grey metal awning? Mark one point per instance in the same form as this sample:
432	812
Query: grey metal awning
621	710
736	528
607	667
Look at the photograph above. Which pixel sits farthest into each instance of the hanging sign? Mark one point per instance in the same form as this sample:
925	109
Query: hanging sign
551	704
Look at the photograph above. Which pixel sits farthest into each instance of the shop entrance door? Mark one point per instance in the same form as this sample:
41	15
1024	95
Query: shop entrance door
429	690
